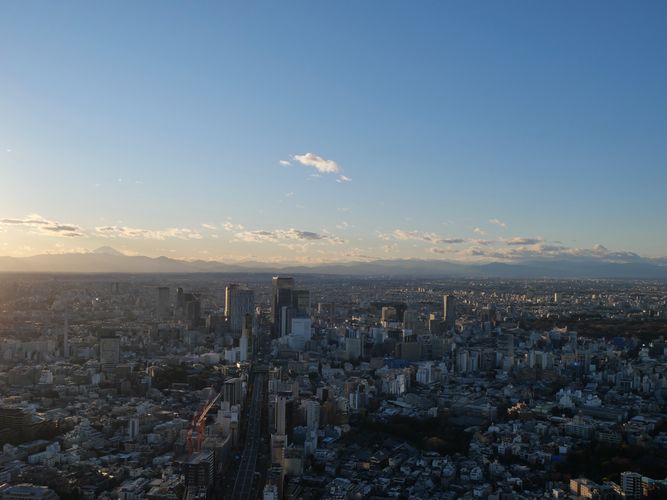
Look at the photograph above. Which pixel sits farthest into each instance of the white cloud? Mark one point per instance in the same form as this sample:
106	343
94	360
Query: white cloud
286	235
498	222
229	226
401	235
38	224
148	234
317	162
210	227
285	163
518	240
479	230
343	178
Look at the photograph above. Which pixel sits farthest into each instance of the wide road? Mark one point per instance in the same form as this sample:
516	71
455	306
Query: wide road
243	485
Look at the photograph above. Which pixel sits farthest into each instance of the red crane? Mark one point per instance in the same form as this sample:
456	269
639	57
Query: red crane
199	424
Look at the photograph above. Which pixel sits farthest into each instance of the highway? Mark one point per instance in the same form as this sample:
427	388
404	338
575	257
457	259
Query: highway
244	483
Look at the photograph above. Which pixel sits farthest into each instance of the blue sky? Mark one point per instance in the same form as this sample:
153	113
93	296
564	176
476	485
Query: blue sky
134	124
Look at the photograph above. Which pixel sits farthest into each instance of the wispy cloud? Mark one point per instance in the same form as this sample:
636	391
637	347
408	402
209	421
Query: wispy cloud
286	235
210	227
38	224
498	222
479	230
285	163
148	234
318	163
343	178
518	240
401	235
230	226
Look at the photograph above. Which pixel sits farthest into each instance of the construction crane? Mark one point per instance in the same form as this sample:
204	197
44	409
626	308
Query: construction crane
199	425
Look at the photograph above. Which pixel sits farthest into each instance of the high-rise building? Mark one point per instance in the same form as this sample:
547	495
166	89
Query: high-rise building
163	302
232	391
192	309
66	336
281	296
312	415
449	311
133	427
229	290
238	303
301	303
243	347
109	352
505	344
281	414
631	483
180	300
199	472
410	319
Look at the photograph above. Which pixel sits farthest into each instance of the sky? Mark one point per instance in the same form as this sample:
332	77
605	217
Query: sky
309	131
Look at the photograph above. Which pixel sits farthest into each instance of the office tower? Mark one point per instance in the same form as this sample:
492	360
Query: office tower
435	324
281	297
449	311
192	309
462	361
66	337
631	483
232	391
312	415
301	303
109	352
180	299
302	327
285	320
243	347
133	428
199	472
247	330
238	303
280	414
505	344
163	302
229	290
410	319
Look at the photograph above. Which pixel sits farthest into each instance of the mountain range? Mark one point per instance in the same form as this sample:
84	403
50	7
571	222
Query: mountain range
109	260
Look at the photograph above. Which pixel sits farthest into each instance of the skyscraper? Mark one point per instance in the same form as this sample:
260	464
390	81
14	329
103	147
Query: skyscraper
281	296
66	336
238	303
312	415
163	302
229	290
301	303
109	352
280	414
449	312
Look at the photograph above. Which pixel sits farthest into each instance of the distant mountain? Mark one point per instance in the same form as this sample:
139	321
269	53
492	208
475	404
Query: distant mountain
108	251
109	260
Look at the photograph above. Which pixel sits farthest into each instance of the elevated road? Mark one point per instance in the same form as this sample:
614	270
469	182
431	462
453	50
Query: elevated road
245	477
